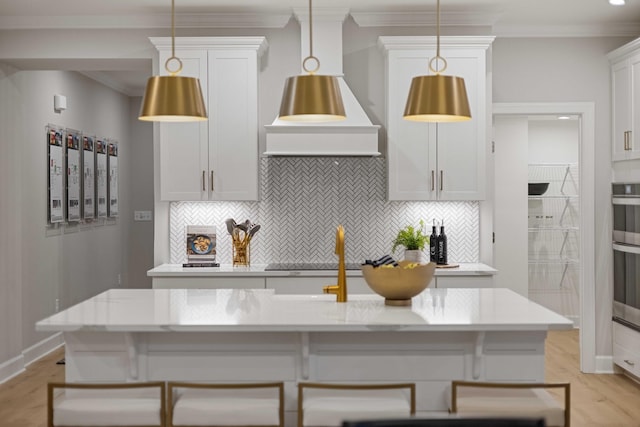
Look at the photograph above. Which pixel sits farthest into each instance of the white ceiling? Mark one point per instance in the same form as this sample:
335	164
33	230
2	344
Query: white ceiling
503	18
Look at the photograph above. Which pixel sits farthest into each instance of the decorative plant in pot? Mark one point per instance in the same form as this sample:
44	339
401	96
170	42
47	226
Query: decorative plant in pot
414	241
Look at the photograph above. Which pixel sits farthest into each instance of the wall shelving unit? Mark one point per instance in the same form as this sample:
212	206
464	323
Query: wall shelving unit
554	237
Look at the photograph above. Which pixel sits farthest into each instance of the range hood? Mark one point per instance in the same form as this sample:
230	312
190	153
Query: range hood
355	136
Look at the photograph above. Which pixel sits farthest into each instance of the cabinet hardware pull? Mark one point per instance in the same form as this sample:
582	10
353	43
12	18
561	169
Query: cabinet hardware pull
628	362
433	181
203	183
441	179
212	186
627	140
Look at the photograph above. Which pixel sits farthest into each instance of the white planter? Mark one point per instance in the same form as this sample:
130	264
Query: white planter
413	255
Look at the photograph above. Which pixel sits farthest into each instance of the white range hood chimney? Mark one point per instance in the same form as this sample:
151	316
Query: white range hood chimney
355	136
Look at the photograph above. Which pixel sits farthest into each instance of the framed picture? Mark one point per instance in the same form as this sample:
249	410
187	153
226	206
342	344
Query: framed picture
112	188
73	182
55	184
88	177
101	178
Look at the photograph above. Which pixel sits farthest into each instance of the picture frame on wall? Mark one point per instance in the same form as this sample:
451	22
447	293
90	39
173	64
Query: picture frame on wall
55	176
88	177
112	188
73	181
101	178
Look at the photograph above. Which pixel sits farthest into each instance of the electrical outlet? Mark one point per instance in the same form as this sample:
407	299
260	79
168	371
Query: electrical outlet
119	279
57	308
142	216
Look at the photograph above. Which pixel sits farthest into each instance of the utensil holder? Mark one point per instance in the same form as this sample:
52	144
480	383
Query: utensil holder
241	252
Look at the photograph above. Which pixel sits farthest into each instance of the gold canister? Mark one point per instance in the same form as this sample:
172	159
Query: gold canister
241	251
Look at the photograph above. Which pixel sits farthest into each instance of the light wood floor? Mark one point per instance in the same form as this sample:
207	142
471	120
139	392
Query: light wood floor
597	400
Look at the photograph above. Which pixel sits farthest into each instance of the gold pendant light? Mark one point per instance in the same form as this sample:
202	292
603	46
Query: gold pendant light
312	97
437	98
173	98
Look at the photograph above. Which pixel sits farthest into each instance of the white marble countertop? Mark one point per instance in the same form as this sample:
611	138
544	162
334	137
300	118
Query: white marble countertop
238	310
258	270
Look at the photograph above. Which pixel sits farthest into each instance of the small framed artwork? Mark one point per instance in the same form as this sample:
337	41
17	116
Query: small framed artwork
112	189
73	182
88	177
101	178
55	184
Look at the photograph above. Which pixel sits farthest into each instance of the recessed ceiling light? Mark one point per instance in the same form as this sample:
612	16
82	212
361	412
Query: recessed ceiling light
617	2
563	117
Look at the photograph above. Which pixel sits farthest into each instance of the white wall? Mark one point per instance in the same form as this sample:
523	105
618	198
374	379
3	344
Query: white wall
524	70
554	141
41	264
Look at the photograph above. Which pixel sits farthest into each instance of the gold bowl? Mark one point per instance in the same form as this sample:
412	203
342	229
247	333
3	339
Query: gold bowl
399	284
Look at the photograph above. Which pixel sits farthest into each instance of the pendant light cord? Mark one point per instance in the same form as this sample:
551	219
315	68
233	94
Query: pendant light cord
173	45
173	29
310	57
438	29
310	30
433	64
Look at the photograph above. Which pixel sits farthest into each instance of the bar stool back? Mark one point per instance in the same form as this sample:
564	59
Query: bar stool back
324	404
215	405
108	404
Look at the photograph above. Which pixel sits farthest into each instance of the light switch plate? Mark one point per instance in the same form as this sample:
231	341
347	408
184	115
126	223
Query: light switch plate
142	216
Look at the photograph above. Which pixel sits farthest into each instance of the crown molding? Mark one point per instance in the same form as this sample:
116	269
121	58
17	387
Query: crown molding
421	19
475	19
184	20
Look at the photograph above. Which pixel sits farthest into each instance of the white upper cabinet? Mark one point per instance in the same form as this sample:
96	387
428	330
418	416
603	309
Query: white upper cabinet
625	103
216	159
444	161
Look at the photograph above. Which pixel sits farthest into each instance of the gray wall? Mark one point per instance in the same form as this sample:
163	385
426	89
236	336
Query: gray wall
570	70
42	264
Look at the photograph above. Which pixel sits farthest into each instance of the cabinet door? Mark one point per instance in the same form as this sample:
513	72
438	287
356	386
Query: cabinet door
621	108
411	146
233	125
184	146
633	148
464	282
462	145
314	285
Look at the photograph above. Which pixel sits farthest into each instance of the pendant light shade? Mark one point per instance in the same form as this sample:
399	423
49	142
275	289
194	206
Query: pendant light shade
311	98
437	98
173	98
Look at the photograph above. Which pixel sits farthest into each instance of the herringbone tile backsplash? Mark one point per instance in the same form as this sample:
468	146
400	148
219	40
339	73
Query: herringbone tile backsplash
304	199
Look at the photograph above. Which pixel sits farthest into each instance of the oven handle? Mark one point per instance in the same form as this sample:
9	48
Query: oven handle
626	201
632	249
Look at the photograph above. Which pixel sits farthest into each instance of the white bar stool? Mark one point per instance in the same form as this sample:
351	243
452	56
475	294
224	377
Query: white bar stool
108	404
471	398
324	404
213	405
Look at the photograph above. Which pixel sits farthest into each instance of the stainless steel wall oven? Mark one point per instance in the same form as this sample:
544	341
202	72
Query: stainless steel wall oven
626	254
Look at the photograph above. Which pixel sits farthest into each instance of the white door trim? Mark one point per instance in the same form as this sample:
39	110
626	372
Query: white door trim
586	111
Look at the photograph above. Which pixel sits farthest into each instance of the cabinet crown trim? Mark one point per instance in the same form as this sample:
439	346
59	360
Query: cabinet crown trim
425	42
257	43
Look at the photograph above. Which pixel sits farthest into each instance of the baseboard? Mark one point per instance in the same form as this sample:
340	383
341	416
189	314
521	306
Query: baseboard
11	368
17	365
604	365
42	348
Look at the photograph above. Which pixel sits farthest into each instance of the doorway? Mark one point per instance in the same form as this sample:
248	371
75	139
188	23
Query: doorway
510	117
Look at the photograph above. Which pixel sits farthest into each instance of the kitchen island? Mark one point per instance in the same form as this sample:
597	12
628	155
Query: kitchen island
230	335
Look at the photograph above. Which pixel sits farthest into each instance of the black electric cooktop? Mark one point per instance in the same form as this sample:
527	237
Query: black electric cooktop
309	266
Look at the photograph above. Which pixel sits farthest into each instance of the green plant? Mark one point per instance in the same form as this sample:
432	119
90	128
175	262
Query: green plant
412	238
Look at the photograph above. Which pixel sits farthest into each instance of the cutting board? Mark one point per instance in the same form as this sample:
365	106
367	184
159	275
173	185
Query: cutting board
447	265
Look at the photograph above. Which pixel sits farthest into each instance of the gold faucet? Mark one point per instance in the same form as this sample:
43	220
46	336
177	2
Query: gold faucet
340	290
